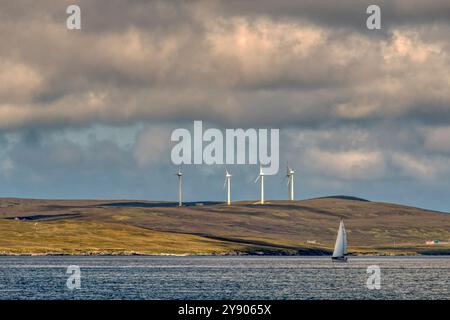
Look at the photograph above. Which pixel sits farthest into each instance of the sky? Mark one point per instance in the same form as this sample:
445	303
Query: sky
88	113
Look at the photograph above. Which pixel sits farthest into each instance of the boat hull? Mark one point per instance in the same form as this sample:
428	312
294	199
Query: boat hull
339	259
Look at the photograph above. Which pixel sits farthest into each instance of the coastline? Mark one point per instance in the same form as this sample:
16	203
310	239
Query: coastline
439	253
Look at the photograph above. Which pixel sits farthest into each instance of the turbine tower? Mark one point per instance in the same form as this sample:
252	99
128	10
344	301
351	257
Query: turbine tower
261	177
227	183
290	183
179	174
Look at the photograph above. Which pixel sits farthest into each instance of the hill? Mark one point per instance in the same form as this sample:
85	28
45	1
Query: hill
31	226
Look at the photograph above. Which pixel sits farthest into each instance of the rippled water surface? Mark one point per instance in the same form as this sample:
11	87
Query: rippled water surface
223	278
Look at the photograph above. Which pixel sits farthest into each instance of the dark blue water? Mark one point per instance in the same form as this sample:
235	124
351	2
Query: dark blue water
223	278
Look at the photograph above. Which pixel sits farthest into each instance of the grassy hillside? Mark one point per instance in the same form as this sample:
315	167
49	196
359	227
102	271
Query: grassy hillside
88	237
142	227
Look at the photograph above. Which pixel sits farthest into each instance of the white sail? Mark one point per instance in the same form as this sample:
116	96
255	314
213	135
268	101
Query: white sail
345	239
340	248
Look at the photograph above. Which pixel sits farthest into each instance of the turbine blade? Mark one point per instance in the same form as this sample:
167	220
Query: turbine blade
257	178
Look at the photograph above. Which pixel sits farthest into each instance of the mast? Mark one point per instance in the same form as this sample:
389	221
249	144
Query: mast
180	181
228	190
345	238
291	187
262	189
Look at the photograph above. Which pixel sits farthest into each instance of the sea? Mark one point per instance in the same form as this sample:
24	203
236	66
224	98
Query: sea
223	277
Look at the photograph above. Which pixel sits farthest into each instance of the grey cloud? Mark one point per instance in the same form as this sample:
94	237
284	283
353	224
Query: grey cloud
227	68
347	13
437	139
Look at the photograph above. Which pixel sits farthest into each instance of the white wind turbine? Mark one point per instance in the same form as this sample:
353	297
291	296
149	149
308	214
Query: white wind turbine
261	177
290	183
179	174
227	184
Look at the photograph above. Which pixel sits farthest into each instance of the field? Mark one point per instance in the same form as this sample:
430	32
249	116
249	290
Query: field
29	226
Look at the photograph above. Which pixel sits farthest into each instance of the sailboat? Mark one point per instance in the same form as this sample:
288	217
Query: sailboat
340	248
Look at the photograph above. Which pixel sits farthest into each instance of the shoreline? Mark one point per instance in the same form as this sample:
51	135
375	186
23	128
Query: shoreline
443	254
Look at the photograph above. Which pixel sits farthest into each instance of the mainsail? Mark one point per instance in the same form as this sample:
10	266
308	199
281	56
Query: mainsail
345	238
340	248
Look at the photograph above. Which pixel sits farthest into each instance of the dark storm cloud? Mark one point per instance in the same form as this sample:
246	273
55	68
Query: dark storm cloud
346	13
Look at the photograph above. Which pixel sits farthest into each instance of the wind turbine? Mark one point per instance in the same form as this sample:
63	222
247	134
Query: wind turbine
261	177
227	183
179	174
290	183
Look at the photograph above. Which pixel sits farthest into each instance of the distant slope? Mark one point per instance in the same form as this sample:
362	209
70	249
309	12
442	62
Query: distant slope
284	227
87	237
344	198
